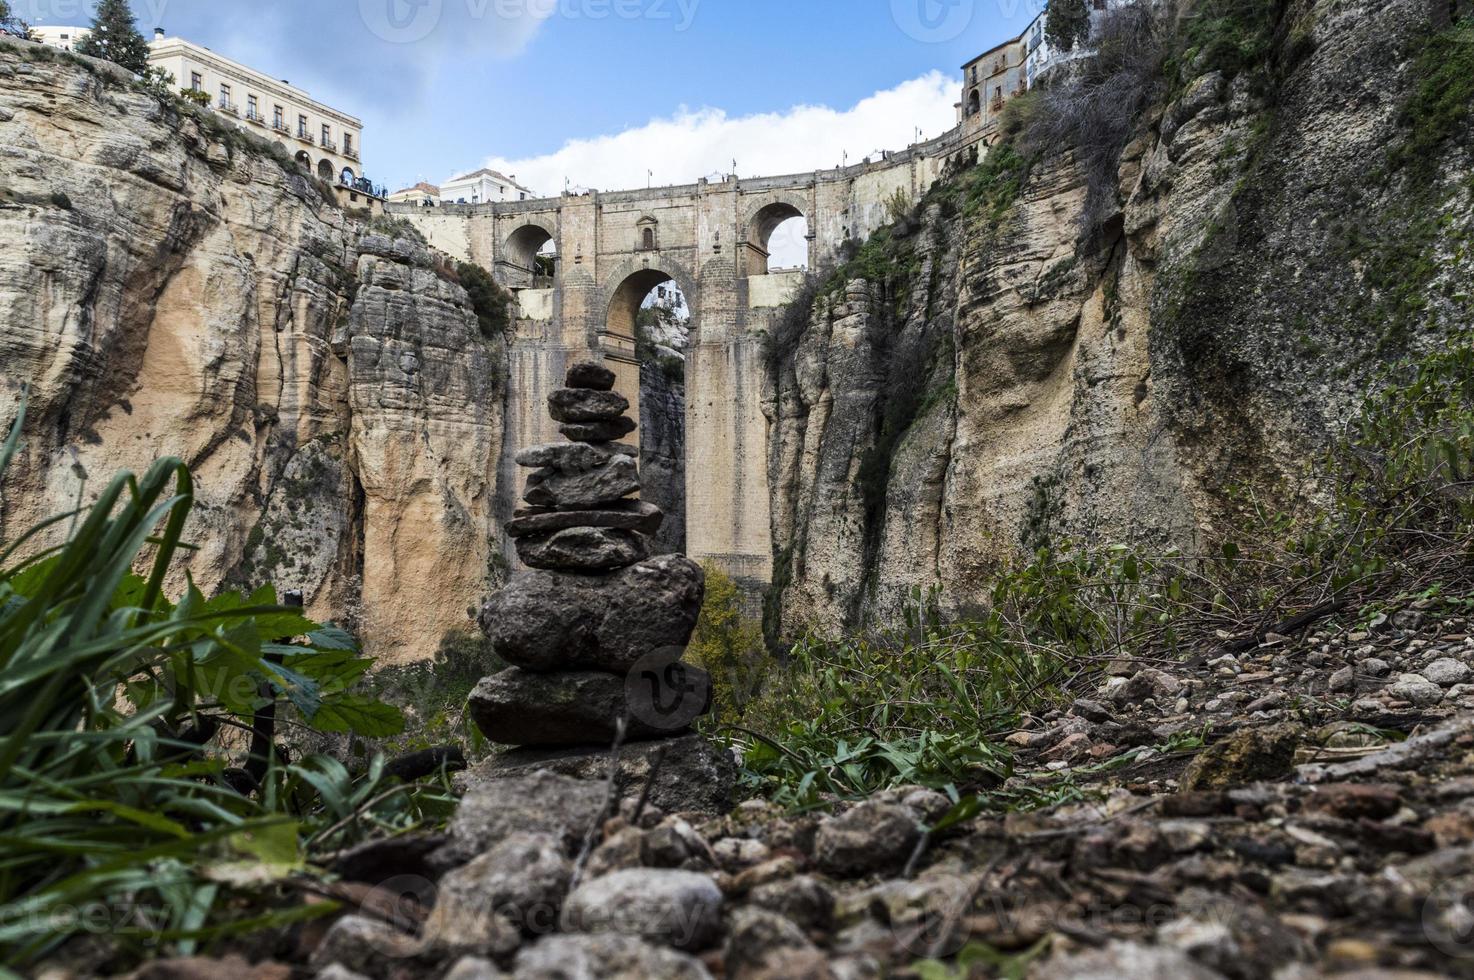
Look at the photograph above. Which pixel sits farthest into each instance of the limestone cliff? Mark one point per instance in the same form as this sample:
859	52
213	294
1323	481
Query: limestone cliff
986	376
168	286
663	452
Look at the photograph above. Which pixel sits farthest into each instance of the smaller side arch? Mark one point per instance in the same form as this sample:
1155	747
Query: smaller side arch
325	169
528	256
760	227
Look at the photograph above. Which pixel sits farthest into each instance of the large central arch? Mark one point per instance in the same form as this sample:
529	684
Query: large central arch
640	372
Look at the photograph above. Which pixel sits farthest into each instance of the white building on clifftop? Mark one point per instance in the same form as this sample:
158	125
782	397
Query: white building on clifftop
325	141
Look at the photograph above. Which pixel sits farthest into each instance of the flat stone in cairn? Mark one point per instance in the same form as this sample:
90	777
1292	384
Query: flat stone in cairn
584	549
572	457
599	431
584	405
518	707
586	490
594	377
544	621
626	515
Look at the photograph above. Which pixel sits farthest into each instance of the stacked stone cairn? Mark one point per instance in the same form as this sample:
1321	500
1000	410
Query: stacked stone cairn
595	632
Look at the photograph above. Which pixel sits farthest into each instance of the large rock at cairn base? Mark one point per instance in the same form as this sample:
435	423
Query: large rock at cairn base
584	549
544	621
583	708
684	774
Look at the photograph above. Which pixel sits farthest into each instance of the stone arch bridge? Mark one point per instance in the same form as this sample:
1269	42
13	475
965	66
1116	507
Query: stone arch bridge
712	239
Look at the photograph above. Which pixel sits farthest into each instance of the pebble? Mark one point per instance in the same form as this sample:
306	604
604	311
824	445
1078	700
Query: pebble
1447	672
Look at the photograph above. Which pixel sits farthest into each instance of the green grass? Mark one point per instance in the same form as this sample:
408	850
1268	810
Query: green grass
116	792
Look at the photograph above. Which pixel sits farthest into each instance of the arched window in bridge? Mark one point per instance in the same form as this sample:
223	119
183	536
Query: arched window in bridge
647	239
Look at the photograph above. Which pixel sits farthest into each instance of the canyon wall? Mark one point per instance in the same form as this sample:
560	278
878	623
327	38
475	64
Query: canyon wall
169	287
987	377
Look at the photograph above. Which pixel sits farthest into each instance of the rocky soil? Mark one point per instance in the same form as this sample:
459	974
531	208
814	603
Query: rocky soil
1304	808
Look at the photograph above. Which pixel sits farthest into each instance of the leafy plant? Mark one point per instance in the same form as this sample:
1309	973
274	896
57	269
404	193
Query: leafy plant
492	303
728	645
111	696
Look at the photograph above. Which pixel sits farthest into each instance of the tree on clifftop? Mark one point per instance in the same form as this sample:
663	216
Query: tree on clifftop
115	37
1068	23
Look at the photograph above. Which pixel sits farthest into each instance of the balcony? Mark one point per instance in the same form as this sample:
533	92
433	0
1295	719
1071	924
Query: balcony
229	108
329	145
252	116
351	152
306	137
282	128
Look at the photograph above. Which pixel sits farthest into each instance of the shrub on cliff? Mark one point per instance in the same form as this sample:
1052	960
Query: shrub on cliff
729	646
492	303
1093	106
115	37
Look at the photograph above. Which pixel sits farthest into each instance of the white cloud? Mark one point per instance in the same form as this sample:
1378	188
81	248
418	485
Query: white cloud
694	143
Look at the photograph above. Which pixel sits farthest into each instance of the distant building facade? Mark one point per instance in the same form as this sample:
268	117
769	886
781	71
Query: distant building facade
990	80
327	142
421	195
61	37
483	186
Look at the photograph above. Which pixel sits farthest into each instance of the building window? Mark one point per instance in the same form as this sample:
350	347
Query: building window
327	134
302	126
278	118
224	95
347	142
196	82
251	109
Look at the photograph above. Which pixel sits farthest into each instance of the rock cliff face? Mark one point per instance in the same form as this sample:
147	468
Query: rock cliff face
1008	381
663	453
168	287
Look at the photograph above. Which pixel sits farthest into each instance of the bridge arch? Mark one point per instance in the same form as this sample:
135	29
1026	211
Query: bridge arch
521	261
760	225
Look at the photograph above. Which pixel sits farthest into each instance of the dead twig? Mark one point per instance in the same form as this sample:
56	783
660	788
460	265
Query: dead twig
610	790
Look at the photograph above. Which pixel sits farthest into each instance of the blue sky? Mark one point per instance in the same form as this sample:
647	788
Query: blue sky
600	91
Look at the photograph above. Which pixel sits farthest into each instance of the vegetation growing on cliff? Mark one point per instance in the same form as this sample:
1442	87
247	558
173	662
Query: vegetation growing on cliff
492	303
1439	109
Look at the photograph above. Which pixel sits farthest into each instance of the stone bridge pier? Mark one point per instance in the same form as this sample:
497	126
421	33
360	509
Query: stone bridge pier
581	264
